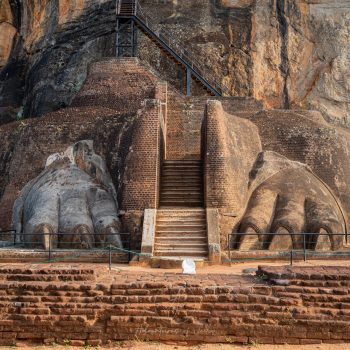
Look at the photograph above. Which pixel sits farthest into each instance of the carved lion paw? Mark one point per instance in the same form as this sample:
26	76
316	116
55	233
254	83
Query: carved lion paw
73	199
290	200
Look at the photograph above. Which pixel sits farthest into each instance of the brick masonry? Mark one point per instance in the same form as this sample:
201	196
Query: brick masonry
184	121
141	180
230	149
85	305
106	111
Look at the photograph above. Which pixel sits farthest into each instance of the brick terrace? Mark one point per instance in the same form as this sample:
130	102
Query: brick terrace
87	305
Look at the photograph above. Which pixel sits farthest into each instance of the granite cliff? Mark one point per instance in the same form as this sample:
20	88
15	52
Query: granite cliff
287	53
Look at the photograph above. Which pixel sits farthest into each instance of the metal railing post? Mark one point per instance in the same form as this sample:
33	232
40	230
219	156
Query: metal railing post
110	257
49	246
135	7
304	243
129	248
188	82
291	257
229	247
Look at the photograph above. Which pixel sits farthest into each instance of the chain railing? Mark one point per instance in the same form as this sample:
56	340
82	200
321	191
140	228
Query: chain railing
256	246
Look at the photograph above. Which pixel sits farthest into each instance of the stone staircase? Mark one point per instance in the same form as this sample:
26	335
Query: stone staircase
181	233
181	228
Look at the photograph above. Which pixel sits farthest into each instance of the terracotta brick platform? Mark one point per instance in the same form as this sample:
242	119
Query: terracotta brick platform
88	305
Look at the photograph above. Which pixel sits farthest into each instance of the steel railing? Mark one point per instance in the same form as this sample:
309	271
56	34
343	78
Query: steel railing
302	244
199	68
58	244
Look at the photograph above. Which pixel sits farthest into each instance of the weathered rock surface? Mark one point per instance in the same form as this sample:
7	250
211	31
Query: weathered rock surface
54	43
73	198
105	112
282	179
289	53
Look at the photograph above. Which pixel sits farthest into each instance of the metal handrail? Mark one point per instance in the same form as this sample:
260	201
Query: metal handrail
305	242
105	246
184	53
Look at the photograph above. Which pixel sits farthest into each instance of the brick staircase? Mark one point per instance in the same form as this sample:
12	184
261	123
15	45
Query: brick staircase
181	184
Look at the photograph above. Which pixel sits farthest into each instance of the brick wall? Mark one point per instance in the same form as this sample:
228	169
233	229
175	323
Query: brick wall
121	84
141	179
87	306
231	146
184	122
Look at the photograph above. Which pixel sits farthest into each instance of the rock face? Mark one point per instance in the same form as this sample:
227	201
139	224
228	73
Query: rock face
288	53
300	55
53	43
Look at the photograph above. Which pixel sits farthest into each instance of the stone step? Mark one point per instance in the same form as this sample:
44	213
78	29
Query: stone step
183	199
183	212
168	232
186	171
182	220
182	165
166	226
180	175
180	183
181	252
192	195
176	176
177	192
171	222
185	239
178	214
182	161
176	245
180	108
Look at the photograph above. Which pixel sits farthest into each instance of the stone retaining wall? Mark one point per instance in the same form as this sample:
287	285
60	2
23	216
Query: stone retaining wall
83	306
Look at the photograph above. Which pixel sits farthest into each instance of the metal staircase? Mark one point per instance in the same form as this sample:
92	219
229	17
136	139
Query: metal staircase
130	16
